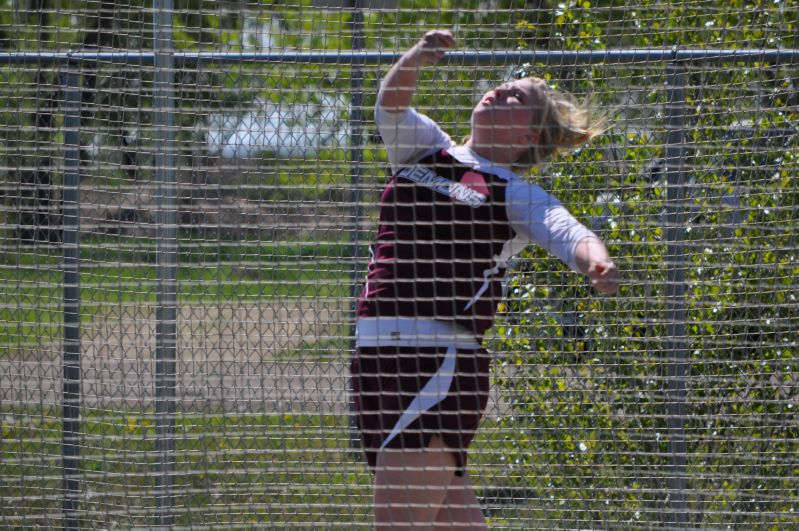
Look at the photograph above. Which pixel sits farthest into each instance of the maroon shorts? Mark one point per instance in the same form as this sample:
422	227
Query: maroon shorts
405	395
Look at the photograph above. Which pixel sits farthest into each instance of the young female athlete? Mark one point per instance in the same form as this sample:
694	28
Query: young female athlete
451	217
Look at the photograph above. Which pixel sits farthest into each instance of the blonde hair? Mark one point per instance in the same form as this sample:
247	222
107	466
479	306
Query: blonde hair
562	123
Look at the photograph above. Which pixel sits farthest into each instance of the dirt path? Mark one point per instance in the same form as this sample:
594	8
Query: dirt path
239	357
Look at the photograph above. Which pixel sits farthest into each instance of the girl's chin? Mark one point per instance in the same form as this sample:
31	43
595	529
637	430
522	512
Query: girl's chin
490	129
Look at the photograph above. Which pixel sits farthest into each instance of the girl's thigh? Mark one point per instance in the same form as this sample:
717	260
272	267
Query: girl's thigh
461	508
411	485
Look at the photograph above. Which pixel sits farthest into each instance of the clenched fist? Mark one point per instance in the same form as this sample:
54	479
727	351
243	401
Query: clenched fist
604	276
430	48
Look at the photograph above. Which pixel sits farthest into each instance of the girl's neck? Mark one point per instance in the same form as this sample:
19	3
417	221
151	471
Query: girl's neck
491	153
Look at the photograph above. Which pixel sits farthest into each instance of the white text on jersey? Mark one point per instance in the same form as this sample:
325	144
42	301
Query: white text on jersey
430	179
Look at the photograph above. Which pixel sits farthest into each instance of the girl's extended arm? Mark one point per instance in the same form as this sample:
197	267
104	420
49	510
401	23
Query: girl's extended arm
399	85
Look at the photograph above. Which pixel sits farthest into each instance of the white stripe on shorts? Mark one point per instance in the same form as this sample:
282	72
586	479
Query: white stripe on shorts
434	391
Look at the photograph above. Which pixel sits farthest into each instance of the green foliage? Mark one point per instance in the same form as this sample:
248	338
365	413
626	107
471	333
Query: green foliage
590	373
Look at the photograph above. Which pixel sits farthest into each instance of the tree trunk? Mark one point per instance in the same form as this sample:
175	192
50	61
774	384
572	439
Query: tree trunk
39	217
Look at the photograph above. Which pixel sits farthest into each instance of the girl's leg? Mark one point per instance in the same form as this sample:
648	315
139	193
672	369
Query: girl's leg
461	508
411	486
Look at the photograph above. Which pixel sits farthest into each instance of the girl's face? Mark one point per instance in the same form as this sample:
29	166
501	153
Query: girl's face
503	118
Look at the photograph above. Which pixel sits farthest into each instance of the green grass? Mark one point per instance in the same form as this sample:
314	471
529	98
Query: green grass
299	471
230	469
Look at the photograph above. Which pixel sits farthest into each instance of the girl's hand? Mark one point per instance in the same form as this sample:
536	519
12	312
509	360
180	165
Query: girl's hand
430	48
604	276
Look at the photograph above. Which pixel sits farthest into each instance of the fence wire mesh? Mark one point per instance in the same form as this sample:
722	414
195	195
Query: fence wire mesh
672	404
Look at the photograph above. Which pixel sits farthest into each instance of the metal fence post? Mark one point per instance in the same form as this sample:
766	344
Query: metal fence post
71	397
356	157
676	338
166	252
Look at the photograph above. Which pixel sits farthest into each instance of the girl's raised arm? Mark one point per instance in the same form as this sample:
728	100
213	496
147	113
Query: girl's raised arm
399	85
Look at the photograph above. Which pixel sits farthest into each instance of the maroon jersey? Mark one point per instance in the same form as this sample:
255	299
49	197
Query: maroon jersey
442	227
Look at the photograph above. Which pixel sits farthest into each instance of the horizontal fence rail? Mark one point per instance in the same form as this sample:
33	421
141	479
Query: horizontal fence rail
547	57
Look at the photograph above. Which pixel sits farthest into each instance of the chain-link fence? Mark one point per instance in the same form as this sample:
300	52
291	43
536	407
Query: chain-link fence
187	196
